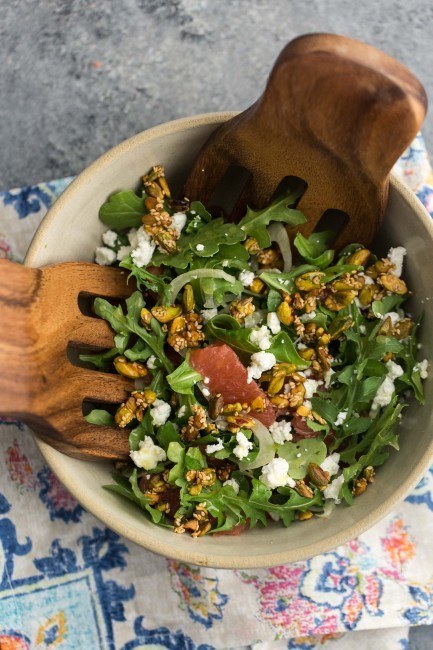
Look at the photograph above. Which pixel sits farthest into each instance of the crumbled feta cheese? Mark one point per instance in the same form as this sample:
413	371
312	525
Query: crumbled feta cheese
160	412
151	362
199	247
362	329
205	391
307	317
301	346
233	483
254	319
132	237
367	279
260	363
211	449
276	474
422	366
104	256
246	278
330	464
333	489
281	431
341	417
179	221
396	256
243	447
393	316
327	377
148	454
207	314
273	322
311	386
109	237
386	389
261	337
123	252
144	247
181	412
206	380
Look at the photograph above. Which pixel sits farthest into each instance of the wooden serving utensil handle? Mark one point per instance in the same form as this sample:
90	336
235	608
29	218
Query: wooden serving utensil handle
19	288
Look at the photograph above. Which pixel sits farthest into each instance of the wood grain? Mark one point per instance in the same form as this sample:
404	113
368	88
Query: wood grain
336	113
38	384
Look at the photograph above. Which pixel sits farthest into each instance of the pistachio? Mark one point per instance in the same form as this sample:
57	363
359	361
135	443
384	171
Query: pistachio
277	382
340	299
386	327
188	302
130	369
165	314
144	397
308	354
239	309
195	489
303	411
241	421
339	325
257	286
153	189
280	401
366	294
150	203
252	246
216	404
125	413
360	257
403	328
269	257
145	317
310	280
369	474
317	475
359	486
304	515
258	404
393	284
304	490
285	313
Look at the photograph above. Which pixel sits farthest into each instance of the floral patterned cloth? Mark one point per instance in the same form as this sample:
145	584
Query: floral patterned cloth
66	581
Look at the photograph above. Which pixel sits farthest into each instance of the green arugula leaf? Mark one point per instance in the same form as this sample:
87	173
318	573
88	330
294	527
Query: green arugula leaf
102	360
155	283
183	379
227	329
314	248
144	428
122	210
101	417
285	352
211	236
167	433
300	454
273	300
197	217
194	459
255	221
388	303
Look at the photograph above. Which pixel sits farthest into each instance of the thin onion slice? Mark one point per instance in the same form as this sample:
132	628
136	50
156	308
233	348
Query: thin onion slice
266	447
181	280
278	234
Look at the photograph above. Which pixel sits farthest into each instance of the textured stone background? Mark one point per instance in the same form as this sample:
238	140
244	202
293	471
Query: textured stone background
78	76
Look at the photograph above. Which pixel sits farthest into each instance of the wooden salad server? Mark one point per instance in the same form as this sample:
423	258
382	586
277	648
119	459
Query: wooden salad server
40	320
336	113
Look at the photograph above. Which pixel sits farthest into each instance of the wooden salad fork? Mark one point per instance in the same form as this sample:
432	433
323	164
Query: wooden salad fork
336	113
40	319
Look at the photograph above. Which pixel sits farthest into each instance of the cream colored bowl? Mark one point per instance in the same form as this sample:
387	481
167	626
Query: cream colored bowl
71	230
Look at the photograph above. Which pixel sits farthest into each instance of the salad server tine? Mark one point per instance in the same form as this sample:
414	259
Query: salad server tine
336	113
38	383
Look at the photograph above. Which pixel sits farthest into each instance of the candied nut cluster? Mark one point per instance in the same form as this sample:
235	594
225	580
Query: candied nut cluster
158	222
240	309
199	524
185	331
196	422
134	407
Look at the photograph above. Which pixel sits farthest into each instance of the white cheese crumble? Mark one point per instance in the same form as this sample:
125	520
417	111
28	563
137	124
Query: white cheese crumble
273	322
261	337
160	412
205	391
307	317
243	447
199	248
311	386
327	377
246	278
211	449
151	362
367	279
233	483
396	256
362	328
281	431
104	256
422	366
330	464
148	455
301	346
333	489
143	247
109	237
386	389
341	417
206	380
207	314
260	363
123	252
181	412
393	316
179	221
254	319
276	474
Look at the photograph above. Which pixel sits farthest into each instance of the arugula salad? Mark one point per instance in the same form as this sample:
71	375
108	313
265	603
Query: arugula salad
263	389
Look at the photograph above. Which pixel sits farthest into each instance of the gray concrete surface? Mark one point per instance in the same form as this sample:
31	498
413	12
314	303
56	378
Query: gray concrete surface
79	76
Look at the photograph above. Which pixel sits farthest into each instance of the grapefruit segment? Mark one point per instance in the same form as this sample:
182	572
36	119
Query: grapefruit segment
228	376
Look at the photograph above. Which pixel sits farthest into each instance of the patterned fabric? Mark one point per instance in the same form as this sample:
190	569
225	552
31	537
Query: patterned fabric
66	581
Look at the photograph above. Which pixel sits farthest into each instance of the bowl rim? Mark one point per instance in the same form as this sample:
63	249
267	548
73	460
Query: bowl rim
170	550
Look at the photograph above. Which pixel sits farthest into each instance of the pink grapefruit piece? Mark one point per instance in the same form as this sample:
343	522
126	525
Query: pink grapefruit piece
228	376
